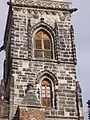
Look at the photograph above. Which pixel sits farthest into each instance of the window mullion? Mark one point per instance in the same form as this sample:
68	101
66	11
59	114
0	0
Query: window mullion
46	94
42	45
42	48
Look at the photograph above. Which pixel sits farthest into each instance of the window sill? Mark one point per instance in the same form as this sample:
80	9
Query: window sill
44	60
48	108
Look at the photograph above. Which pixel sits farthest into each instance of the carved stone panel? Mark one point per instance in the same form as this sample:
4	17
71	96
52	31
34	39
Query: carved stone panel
43	3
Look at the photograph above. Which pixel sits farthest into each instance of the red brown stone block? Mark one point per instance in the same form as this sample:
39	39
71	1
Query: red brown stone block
32	114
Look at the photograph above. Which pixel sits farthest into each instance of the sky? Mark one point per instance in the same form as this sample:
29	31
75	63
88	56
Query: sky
81	23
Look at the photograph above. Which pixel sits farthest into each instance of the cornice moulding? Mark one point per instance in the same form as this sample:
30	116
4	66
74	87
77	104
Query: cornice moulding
43	4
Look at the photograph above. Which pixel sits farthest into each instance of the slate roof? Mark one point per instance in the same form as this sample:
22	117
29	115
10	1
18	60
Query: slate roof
30	99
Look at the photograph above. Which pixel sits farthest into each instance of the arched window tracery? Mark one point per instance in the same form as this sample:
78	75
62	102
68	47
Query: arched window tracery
43	45
46	93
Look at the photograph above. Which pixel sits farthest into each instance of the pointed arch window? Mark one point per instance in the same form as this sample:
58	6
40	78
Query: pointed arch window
46	93
42	48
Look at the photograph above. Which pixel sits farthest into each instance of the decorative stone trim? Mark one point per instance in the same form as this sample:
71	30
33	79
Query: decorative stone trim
31	31
35	13
48	74
43	3
44	25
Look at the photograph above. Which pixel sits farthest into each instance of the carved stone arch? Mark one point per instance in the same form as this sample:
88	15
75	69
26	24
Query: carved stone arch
44	27
48	74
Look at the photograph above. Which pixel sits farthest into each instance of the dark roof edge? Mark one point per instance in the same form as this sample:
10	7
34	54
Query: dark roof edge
31	106
7	25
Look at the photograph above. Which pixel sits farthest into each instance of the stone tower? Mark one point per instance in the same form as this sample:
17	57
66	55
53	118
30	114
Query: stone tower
40	51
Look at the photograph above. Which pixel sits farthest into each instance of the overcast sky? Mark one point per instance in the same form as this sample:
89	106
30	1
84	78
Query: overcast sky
81	22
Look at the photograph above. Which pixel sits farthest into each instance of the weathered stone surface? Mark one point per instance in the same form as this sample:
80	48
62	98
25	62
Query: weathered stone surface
22	68
27	113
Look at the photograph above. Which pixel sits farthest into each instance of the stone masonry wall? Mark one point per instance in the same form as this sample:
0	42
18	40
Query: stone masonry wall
26	69
24	72
24	18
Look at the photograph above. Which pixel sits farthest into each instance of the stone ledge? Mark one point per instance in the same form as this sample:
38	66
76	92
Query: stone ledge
43	3
57	116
